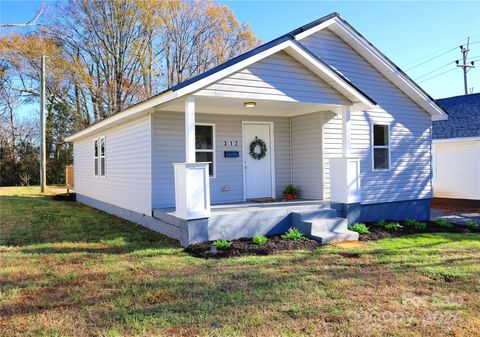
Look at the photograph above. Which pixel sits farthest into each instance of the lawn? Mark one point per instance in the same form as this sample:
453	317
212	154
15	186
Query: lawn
69	270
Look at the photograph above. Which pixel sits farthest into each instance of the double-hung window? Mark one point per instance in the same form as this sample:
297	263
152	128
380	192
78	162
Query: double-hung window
381	147
205	146
102	157
99	156
95	156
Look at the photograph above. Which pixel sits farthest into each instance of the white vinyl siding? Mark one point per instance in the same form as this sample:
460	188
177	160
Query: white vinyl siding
127	183
410	128
227	186
456	169
278	77
307	155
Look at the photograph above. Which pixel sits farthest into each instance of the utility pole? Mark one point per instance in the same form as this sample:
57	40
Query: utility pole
466	67
43	152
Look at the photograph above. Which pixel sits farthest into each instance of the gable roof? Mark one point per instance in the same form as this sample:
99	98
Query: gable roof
463	117
286	42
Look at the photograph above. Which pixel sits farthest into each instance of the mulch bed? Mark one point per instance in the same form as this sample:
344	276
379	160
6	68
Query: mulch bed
378	233
243	247
64	197
275	244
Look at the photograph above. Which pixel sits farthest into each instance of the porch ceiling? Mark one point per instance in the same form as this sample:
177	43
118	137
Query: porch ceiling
234	106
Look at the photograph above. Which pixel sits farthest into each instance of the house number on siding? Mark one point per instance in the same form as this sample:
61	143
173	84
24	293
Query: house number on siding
230	143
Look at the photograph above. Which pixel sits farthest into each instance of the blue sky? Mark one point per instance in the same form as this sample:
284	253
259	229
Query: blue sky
408	32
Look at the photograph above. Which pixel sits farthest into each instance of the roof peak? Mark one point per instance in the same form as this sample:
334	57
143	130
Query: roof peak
314	23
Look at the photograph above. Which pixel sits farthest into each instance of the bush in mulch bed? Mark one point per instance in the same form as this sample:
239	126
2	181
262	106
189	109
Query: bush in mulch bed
378	231
244	247
64	197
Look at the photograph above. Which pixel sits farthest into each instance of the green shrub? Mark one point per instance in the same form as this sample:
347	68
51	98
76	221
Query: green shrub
471	224
415	224
392	226
359	228
293	233
381	223
222	244
260	239
444	223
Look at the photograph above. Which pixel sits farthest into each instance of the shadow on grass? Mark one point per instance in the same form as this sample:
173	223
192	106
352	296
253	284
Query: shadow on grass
321	285
43	225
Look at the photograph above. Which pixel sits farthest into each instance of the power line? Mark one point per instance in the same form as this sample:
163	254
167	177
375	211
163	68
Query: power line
441	50
431	59
435	70
436	55
427	79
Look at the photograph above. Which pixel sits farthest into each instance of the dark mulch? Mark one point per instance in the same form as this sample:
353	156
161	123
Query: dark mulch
377	233
64	197
275	244
244	247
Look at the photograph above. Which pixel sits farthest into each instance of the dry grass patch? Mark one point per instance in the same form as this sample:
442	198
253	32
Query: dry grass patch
82	272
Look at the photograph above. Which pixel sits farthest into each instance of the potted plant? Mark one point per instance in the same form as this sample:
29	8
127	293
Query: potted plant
290	192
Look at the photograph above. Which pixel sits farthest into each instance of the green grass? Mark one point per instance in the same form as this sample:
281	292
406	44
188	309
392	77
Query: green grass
69	270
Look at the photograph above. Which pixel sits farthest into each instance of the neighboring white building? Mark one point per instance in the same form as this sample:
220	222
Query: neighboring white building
456	149
319	107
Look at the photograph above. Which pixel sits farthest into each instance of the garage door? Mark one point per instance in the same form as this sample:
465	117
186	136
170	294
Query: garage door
456	169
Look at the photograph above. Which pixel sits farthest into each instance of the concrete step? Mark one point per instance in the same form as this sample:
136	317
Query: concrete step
323	226
335	236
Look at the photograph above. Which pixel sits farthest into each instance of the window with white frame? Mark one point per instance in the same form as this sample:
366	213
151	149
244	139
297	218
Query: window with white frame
381	147
205	145
99	157
95	156
102	157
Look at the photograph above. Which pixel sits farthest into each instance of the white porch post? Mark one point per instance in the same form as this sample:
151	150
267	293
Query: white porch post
190	129
346	131
345	171
192	180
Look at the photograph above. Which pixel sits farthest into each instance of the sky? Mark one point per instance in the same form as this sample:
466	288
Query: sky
422	38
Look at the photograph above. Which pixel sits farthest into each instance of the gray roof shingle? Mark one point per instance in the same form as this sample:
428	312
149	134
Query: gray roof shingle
463	117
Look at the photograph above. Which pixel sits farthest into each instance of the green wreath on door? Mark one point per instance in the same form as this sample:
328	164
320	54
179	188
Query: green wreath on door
263	149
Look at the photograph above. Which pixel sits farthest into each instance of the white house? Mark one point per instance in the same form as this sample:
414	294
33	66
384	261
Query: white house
319	107
456	149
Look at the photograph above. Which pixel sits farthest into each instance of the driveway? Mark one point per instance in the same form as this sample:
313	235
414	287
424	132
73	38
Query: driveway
455	214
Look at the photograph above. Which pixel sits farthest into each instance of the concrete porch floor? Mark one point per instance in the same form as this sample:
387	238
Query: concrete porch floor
315	218
250	206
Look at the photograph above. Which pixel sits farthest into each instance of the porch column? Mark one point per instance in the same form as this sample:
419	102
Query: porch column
190	129
346	131
192	180
345	171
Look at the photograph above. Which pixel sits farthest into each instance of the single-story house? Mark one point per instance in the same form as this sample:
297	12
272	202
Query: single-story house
319	107
456	149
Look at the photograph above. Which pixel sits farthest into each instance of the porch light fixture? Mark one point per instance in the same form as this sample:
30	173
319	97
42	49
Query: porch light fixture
249	104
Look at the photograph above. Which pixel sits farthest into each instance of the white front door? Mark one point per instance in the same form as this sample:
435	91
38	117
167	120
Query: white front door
258	172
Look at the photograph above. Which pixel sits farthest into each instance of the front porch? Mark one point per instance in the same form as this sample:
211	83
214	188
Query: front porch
247	133
317	219
296	152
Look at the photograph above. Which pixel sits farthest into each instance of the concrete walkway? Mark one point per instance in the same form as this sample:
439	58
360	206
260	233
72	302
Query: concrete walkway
455	215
